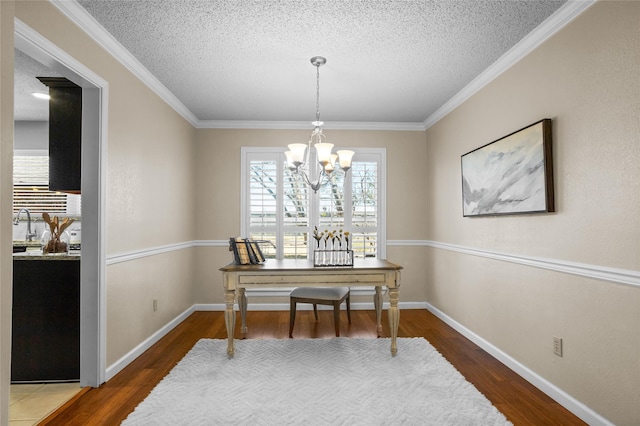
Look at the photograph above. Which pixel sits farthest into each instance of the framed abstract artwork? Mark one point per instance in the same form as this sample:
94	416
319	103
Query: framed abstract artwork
512	175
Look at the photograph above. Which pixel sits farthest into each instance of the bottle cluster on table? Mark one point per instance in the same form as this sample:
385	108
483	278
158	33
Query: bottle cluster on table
335	249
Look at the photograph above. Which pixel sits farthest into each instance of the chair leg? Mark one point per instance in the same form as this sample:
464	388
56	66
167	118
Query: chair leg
349	308
315	311
292	317
336	317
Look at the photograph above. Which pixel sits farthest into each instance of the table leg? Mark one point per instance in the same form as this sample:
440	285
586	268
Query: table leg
230	319
377	303
242	301
394	319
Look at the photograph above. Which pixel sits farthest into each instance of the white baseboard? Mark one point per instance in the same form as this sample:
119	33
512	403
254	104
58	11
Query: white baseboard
363	306
120	364
567	401
576	407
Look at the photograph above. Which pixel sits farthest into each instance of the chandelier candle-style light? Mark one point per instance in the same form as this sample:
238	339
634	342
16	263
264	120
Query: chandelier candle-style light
298	163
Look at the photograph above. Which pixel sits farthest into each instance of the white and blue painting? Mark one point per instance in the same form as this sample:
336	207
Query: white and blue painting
506	176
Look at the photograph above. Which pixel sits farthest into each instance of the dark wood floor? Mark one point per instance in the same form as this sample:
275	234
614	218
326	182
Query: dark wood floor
519	401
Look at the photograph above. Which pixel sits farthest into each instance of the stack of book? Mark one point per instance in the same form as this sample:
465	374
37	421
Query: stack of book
245	251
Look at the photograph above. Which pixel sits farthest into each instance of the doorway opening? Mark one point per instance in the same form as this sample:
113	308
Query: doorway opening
93	167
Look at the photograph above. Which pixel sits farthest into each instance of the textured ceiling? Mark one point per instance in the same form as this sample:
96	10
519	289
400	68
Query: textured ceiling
387	61
26	107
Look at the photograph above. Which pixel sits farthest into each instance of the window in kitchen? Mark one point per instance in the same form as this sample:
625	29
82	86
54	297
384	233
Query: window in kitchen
279	208
31	188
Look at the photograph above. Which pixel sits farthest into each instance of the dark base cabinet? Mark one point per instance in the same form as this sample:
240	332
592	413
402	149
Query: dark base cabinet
46	321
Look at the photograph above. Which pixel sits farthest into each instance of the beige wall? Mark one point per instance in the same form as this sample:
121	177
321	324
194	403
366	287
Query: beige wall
586	78
133	285
218	202
150	193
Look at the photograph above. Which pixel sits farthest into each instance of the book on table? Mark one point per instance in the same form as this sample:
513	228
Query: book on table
245	251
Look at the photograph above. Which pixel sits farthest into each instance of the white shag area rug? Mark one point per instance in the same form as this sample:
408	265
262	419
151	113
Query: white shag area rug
339	381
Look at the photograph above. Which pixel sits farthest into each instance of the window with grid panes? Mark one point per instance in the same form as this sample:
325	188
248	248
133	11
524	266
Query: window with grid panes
280	208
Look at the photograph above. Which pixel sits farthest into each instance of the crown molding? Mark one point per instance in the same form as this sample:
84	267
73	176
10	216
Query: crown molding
246	124
564	15
402	126
78	15
305	125
554	23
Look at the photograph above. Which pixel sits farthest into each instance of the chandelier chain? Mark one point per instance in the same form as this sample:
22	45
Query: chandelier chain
318	92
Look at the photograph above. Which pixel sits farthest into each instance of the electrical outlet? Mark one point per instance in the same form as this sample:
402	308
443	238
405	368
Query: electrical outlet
155	305
557	346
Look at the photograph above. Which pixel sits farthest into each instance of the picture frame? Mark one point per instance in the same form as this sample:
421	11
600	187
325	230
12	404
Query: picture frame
511	175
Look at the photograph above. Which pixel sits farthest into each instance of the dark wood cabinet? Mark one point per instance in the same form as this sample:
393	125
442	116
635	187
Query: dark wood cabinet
46	320
65	134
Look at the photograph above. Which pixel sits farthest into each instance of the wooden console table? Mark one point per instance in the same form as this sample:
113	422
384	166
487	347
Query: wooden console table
299	273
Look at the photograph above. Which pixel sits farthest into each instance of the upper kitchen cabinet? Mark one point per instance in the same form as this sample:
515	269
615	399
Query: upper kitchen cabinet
65	132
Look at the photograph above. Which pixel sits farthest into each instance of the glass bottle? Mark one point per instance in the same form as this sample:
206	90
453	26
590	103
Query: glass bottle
55	246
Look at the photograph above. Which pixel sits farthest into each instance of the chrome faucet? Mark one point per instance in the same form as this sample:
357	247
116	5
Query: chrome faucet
30	235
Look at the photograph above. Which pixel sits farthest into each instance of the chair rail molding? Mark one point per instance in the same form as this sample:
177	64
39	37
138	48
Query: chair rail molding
604	273
153	251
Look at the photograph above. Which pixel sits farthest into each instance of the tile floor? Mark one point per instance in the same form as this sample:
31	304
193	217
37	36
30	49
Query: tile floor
30	403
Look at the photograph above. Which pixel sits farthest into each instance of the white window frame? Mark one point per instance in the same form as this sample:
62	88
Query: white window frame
378	155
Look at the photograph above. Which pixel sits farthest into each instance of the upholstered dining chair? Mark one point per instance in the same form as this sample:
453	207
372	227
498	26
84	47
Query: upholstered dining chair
332	296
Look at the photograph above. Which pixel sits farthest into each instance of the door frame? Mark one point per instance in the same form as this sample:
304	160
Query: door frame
95	93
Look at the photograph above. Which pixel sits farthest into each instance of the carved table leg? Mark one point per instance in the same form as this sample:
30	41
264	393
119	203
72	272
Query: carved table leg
394	319
377	303
242	301
230	319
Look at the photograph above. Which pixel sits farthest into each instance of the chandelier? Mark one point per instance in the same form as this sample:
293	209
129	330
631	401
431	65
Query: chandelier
298	162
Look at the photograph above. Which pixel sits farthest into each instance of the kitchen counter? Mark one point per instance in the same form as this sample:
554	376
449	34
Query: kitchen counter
32	250
37	255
